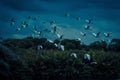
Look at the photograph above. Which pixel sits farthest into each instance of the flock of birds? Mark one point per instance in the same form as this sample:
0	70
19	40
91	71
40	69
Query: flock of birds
35	31
53	29
88	27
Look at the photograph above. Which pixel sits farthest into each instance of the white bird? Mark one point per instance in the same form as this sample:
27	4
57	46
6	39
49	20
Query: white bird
83	34
87	27
39	33
88	21
74	55
107	34
96	34
25	23
50	41
36	32
60	36
87	57
23	26
18	29
79	39
55	45
39	47
61	47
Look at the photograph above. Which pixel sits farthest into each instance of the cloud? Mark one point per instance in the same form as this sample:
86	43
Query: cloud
23	5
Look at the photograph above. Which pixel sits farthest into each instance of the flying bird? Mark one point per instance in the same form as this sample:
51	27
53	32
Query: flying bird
107	34
87	27
24	24
96	34
79	39
88	21
83	34
12	22
18	29
60	36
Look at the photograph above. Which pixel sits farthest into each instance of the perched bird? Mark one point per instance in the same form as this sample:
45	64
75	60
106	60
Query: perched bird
87	58
74	55
96	34
55	45
61	47
39	47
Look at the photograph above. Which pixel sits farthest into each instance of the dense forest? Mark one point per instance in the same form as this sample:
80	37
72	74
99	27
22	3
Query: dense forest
40	59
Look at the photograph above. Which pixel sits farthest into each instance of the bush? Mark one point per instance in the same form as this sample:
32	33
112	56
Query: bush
49	64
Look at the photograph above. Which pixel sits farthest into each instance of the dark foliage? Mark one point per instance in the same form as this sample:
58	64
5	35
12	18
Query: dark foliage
27	63
115	45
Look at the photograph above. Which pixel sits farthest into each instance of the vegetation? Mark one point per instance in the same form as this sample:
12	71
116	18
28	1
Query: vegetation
54	64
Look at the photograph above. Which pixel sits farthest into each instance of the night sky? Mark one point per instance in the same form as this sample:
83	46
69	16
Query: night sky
105	15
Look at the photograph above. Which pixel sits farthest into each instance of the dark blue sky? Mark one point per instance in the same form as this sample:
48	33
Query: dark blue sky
104	13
